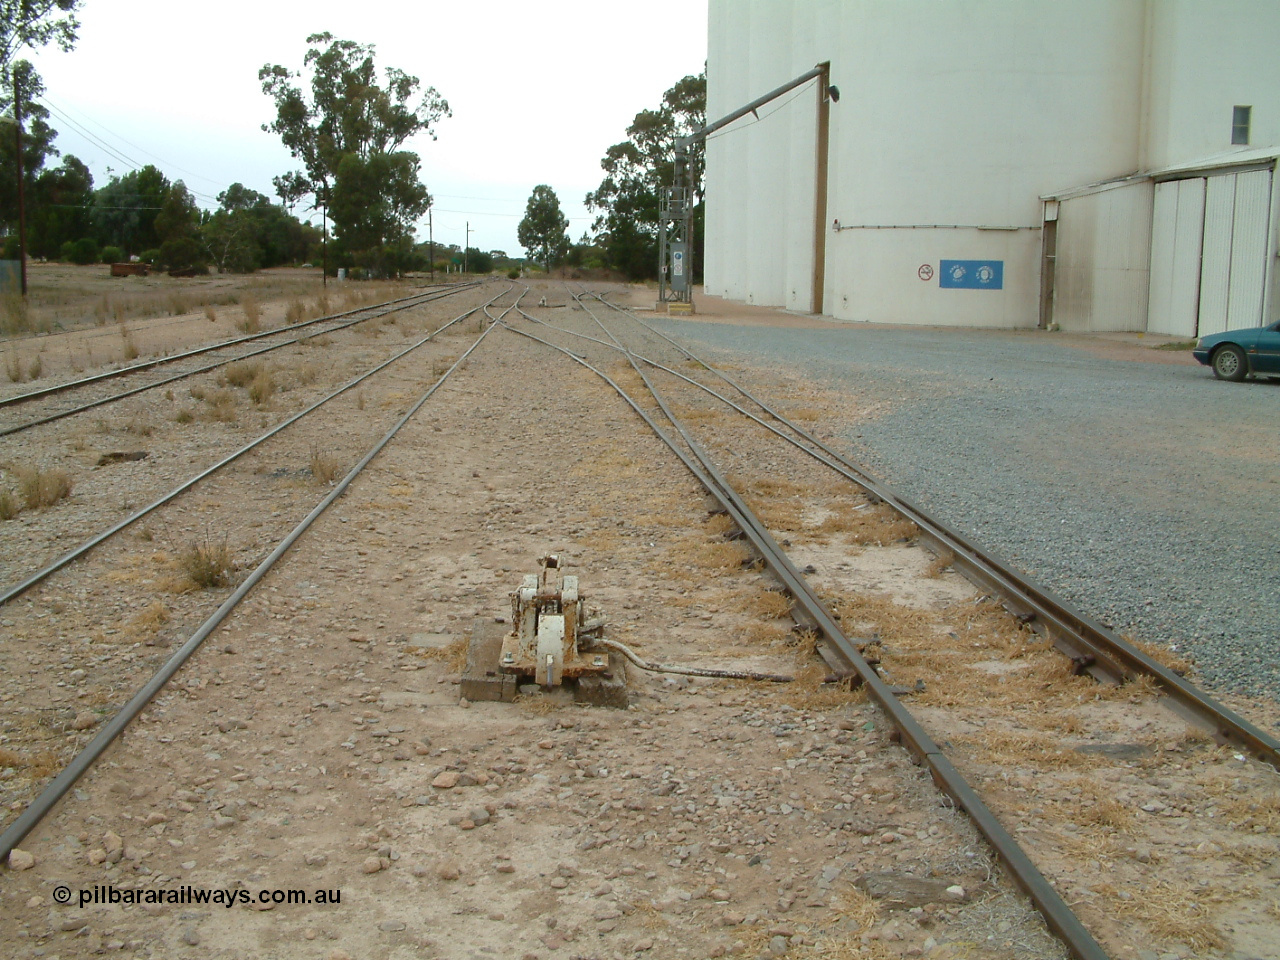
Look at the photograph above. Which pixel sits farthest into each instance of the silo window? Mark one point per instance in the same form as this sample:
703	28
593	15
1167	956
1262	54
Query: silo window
1240	124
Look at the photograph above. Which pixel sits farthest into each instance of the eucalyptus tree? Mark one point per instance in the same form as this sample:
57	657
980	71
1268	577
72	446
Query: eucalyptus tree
636	171
542	231
341	121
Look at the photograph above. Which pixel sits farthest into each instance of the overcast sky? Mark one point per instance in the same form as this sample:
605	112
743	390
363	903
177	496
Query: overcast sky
538	91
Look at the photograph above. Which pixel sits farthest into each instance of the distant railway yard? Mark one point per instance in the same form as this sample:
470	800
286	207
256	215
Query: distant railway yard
267	692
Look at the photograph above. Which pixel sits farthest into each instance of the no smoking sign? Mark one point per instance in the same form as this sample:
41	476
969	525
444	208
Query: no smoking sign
925	272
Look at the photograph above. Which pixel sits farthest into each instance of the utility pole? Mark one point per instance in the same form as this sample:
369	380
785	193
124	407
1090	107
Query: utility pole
324	243
431	242
22	208
465	246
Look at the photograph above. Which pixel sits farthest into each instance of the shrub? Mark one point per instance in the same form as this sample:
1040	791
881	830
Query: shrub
113	255
8	505
181	254
513	274
150	256
82	251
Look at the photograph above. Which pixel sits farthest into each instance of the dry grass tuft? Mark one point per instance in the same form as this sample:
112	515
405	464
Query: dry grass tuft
15	316
210	314
220	406
1162	655
880	525
13	368
296	312
263	387
1173	912
1010	748
9	506
770	604
35	370
41	489
206	565
324	468
129	350
241	373
940	564
252	322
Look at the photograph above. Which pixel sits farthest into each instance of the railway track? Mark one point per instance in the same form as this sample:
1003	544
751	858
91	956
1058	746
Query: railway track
282	337
1090	648
272	547
816	526
129	419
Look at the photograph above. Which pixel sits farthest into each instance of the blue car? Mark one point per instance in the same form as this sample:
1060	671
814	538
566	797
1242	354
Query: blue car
1237	353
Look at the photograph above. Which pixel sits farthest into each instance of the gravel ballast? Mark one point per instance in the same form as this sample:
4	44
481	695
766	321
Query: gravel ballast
1144	493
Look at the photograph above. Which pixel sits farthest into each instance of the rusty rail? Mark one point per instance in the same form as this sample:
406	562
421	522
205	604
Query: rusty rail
1059	917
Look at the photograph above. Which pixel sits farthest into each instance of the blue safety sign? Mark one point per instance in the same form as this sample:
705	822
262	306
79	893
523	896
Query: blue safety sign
971	274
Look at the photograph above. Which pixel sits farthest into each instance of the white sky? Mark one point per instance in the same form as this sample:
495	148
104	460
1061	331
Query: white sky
538	91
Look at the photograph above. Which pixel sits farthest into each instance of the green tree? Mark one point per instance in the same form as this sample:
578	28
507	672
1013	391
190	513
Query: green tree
376	200
178	217
58	207
347	113
124	210
478	261
542	231
26	24
636	171
37	145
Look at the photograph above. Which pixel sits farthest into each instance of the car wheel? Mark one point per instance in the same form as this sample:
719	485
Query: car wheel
1229	364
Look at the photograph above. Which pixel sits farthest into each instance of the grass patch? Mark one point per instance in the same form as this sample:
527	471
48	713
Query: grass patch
220	406
41	489
1177	345
252	321
206	565
241	373
263	387
324	468
452	655
129	349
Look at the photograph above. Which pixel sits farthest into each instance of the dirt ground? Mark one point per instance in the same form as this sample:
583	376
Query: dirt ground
317	741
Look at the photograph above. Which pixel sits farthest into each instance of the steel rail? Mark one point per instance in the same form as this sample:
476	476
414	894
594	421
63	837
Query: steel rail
7	431
1058	916
222	345
67	777
18	589
1091	646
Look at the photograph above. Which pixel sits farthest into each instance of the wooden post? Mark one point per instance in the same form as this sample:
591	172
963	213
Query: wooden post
22	206
820	188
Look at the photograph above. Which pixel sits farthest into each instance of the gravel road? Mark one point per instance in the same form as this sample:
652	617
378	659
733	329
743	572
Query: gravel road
1146	493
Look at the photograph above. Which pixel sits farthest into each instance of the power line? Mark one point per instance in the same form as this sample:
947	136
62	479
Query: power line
106	129
119	155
